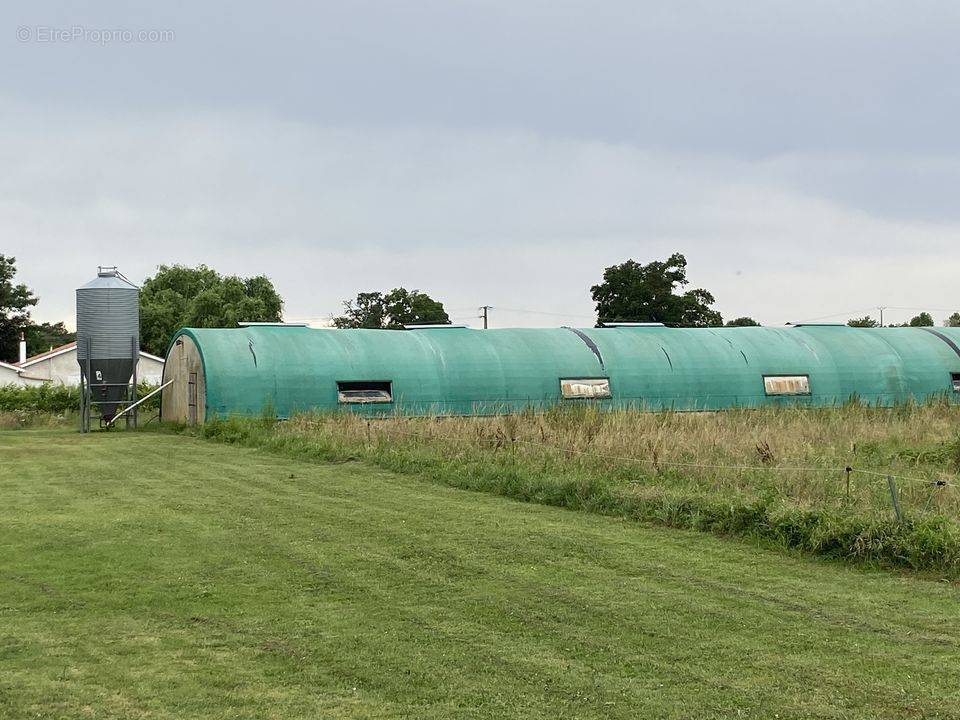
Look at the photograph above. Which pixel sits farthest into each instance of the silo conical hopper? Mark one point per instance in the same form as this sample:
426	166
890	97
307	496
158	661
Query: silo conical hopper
108	337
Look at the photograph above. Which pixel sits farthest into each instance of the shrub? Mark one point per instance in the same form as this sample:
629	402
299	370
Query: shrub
48	398
57	399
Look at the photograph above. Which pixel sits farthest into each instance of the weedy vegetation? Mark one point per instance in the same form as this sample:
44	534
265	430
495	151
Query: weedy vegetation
777	474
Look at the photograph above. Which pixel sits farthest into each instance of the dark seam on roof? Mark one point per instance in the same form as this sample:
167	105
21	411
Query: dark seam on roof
589	343
943	337
667	356
729	341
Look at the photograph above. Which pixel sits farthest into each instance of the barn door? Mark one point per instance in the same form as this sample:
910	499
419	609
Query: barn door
192	399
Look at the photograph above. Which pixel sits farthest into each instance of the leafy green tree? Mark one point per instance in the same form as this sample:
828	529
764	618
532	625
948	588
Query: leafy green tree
179	296
864	322
15	303
367	311
42	337
924	319
633	292
743	322
953	320
414	307
392	310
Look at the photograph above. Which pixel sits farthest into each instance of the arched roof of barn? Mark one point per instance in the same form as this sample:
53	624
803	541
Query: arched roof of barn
463	371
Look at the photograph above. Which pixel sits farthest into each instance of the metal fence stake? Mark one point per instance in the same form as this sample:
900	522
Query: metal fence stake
893	496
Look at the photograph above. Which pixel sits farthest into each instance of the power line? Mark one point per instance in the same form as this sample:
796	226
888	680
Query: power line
881	309
895	307
848	313
544	312
484	309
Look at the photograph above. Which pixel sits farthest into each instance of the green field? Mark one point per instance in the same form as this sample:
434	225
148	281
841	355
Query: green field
162	576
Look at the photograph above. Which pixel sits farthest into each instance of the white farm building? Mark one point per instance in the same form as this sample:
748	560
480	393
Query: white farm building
59	365
9	374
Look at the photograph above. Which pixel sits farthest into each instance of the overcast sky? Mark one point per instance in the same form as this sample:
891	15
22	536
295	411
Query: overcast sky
804	156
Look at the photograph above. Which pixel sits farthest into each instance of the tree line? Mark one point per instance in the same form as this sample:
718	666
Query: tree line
924	319
175	297
629	292
178	296
16	300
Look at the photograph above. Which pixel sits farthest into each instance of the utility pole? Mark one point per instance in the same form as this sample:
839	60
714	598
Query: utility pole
881	309
485	309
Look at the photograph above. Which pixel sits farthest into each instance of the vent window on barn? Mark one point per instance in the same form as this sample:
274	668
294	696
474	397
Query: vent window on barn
573	388
379	391
955	378
786	384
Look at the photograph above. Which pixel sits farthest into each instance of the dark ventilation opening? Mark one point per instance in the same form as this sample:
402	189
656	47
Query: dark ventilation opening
955	379
365	391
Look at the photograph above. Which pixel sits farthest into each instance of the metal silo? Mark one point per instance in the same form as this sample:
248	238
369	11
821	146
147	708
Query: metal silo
108	343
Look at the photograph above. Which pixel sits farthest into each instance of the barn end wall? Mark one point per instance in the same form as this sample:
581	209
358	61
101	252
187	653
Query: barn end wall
184	366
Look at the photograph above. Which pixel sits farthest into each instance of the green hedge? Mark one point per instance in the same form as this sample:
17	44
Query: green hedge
56	399
49	398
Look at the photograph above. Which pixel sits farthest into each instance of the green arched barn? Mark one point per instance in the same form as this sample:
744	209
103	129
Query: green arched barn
450	370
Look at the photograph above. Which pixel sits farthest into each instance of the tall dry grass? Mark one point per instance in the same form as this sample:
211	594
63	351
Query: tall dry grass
738	452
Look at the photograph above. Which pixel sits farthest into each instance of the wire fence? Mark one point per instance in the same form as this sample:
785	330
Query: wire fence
880	477
822	469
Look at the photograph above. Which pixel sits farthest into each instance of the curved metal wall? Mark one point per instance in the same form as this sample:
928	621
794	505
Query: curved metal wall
694	368
463	371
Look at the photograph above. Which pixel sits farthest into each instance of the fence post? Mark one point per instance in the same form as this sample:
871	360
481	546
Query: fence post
893	496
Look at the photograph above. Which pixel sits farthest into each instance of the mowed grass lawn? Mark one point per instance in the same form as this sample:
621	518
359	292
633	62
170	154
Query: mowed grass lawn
159	576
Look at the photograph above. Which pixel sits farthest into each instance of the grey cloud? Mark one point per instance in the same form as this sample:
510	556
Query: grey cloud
752	78
803	155
496	217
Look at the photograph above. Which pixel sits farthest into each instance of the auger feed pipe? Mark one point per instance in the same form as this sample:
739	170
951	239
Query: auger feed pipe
145	397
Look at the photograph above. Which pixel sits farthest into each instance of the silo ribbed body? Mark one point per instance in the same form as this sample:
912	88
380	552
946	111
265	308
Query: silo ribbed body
108	336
